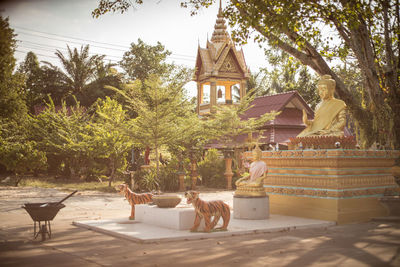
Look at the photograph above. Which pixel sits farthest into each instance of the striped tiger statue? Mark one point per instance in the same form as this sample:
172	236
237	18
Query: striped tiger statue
134	198
207	209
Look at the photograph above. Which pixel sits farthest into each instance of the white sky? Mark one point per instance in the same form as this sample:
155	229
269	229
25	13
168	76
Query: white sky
42	26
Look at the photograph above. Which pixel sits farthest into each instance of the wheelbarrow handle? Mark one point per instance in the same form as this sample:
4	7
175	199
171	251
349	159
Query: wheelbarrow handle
61	201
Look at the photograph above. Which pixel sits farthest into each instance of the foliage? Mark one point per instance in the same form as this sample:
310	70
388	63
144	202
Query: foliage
86	143
30	70
289	74
168	176
143	60
62	133
257	83
211	169
82	76
109	139
228	125
149	181
12	106
158	105
113	5
18	152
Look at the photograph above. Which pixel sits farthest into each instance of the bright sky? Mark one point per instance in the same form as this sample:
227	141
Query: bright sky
42	26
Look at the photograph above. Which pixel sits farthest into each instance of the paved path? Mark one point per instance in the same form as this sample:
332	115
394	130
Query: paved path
365	244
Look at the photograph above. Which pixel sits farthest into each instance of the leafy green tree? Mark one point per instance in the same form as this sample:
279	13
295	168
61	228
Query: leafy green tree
158	104
143	60
109	138
63	133
227	123
78	70
12	106
18	152
256	84
105	75
289	74
113	5
30	69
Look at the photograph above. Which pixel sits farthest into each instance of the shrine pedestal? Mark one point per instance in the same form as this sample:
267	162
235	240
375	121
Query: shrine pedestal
251	208
340	185
178	218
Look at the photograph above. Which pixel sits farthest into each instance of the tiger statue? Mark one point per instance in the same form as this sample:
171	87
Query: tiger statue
207	209
134	198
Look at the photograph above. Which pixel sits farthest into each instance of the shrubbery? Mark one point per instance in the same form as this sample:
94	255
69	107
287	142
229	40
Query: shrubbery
212	169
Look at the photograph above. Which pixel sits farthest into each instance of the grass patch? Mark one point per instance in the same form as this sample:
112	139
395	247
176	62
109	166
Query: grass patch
68	185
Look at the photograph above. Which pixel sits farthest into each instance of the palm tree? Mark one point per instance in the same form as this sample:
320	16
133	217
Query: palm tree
78	69
83	76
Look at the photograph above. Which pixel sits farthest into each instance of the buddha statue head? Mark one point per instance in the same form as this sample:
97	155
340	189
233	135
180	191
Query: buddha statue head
257	153
326	87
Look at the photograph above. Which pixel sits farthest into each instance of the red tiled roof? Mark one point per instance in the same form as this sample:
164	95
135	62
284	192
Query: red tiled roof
289	116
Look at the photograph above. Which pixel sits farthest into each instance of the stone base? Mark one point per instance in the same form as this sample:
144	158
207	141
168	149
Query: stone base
392	204
179	218
339	210
251	208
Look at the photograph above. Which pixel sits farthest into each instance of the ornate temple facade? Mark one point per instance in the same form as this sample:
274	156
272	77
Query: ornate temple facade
221	72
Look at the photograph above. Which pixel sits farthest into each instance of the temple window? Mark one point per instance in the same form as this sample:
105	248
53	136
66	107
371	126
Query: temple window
236	93
206	94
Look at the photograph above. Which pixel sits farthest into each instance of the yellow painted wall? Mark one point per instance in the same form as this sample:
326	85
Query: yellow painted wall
338	210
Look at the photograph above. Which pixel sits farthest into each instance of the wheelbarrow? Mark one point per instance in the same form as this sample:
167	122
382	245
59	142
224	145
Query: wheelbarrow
42	214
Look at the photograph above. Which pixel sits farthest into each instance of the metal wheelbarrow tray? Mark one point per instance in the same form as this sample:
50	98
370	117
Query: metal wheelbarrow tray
44	212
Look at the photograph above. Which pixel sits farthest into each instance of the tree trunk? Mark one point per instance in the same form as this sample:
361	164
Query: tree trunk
112	167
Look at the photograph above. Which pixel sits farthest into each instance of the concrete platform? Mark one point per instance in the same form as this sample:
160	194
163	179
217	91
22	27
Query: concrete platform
178	218
142	232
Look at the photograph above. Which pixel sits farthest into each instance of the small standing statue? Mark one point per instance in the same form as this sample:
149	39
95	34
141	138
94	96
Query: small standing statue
330	113
253	184
206	210
134	198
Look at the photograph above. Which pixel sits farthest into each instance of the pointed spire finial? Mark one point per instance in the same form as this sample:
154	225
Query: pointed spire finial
220	35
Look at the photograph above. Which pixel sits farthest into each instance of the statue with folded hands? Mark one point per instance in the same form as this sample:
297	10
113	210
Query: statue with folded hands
252	185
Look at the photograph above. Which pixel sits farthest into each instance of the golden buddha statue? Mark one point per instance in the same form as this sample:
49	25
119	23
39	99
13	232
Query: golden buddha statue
252	185
330	113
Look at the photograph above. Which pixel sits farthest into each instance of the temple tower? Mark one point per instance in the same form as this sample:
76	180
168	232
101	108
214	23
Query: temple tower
220	73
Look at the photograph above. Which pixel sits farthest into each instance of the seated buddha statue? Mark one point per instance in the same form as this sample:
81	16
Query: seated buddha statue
330	113
252	185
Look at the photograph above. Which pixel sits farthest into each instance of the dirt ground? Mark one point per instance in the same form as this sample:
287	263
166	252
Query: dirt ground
375	243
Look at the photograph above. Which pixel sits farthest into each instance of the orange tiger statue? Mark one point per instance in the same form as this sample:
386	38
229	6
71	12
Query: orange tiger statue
207	209
134	198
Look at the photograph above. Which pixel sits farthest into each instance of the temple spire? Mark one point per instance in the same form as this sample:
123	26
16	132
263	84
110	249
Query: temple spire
220	35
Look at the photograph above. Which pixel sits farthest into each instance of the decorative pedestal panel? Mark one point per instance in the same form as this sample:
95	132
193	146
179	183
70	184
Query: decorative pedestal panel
335	184
179	218
251	208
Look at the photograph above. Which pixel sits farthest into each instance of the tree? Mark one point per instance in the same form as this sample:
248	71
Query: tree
12	106
227	125
32	73
157	105
79	70
105	75
109	139
143	60
64	133
289	75
18	152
